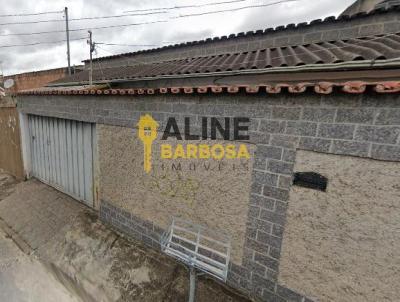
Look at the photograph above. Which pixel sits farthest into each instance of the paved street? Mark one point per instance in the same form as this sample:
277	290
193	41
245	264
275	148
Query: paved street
24	279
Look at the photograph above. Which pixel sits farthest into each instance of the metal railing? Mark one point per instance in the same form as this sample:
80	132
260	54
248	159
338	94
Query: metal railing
198	247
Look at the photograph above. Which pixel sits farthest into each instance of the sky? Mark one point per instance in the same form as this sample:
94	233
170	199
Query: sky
174	28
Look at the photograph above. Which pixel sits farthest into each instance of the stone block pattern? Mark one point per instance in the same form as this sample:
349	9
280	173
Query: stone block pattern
131	225
358	125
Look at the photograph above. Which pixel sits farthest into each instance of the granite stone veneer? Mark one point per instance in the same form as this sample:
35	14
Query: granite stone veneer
357	125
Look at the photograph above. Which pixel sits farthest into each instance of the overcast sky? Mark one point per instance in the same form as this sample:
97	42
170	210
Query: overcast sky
45	56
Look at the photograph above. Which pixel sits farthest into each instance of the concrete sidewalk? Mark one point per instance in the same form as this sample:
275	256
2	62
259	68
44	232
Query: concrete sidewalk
18	269
38	212
91	259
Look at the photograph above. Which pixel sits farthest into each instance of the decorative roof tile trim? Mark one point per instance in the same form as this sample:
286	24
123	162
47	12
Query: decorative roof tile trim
299	88
202	89
217	89
352	87
323	88
355	87
330	19
273	89
252	89
386	87
233	89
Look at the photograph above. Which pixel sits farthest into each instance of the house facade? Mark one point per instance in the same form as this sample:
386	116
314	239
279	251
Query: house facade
287	140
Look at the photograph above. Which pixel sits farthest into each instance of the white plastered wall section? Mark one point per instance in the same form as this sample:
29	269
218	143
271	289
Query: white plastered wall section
343	245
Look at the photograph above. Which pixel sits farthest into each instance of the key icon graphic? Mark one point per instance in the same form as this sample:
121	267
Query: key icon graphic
147	134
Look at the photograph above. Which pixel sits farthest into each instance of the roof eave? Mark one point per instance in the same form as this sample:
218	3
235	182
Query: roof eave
345	66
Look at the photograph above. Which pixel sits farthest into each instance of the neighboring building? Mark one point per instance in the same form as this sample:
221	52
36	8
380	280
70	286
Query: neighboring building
36	79
10	141
321	97
365	6
386	4
361	6
10	147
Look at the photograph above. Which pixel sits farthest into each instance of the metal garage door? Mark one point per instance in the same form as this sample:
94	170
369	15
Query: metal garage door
62	155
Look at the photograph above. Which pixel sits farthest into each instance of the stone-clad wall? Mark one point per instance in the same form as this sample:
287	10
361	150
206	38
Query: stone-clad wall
359	125
184	188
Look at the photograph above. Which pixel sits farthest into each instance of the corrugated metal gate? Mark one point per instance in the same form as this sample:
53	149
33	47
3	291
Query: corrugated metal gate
62	155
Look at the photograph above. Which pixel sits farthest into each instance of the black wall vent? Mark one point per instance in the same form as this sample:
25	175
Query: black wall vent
310	180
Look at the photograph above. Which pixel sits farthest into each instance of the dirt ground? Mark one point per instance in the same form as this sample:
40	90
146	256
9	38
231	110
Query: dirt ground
7	184
97	264
112	268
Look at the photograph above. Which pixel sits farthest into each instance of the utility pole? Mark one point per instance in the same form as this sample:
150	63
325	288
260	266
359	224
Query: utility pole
2	90
67	31
92	48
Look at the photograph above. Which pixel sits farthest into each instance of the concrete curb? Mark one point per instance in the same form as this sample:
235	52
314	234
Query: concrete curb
22	245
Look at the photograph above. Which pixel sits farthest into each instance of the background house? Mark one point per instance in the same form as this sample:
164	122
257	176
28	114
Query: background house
321	97
363	6
10	147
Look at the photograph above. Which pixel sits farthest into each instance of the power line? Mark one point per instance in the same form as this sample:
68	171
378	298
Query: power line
133	24
234	9
118	26
187	6
38	43
129	45
85	18
142	45
32	22
33	33
153	13
101	69
119	16
83	29
138	10
33	14
129	24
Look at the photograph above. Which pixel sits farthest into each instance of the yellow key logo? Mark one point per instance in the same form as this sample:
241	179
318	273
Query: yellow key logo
147	134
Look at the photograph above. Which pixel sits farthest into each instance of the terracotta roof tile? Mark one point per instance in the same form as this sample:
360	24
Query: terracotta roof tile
353	87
